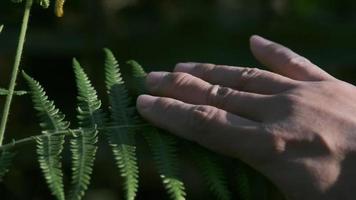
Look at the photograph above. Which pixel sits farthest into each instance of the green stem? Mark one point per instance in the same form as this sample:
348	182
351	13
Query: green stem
31	139
15	69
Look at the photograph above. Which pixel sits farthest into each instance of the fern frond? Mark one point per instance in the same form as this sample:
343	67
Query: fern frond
49	148
83	148
6	158
84	145
90	114
121	140
243	183
212	172
4	92
163	147
138	75
16	1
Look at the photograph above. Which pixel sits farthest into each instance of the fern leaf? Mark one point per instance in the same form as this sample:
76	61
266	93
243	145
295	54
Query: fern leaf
6	158
90	114
243	183
4	92
121	140
84	145
213	173
50	146
83	148
138	75
163	147
16	1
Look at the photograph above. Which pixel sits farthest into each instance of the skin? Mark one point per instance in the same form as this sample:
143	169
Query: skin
296	125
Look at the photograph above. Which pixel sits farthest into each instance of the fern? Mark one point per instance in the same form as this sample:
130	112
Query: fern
138	75
243	183
213	173
163	146
84	146
164	154
5	162
121	139
121	136
50	146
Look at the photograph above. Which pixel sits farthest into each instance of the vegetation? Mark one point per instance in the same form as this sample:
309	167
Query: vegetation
119	123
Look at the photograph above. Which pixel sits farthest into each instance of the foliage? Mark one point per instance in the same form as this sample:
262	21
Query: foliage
5	162
122	138
49	148
121	127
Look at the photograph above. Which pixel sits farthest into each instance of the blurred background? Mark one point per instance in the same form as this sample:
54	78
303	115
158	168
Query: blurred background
158	34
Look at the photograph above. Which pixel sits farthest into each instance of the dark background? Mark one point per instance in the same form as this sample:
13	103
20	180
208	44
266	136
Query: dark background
158	34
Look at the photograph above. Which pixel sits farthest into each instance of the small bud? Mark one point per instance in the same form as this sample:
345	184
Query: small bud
44	3
59	8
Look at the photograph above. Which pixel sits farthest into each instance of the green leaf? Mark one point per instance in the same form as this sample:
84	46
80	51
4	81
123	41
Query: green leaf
243	182
1	28
83	148
138	75
84	145
6	158
4	92
122	140
50	146
163	147
17	1
212	172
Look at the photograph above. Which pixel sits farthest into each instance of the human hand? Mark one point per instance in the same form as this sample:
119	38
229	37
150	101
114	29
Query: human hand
297	126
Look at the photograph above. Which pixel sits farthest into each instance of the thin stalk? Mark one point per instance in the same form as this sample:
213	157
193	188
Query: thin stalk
31	139
15	68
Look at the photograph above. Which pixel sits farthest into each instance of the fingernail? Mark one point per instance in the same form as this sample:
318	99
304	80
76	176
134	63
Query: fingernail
184	67
154	78
259	41
145	101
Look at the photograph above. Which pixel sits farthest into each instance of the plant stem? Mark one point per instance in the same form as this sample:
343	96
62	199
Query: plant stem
15	69
31	139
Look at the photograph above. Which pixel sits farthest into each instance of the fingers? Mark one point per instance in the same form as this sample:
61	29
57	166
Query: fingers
190	89
285	62
240	78
209	126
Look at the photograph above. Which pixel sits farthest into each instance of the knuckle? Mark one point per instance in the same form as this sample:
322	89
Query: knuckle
163	103
205	70
298	61
275	48
201	117
217	96
290	98
177	79
278	140
247	74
